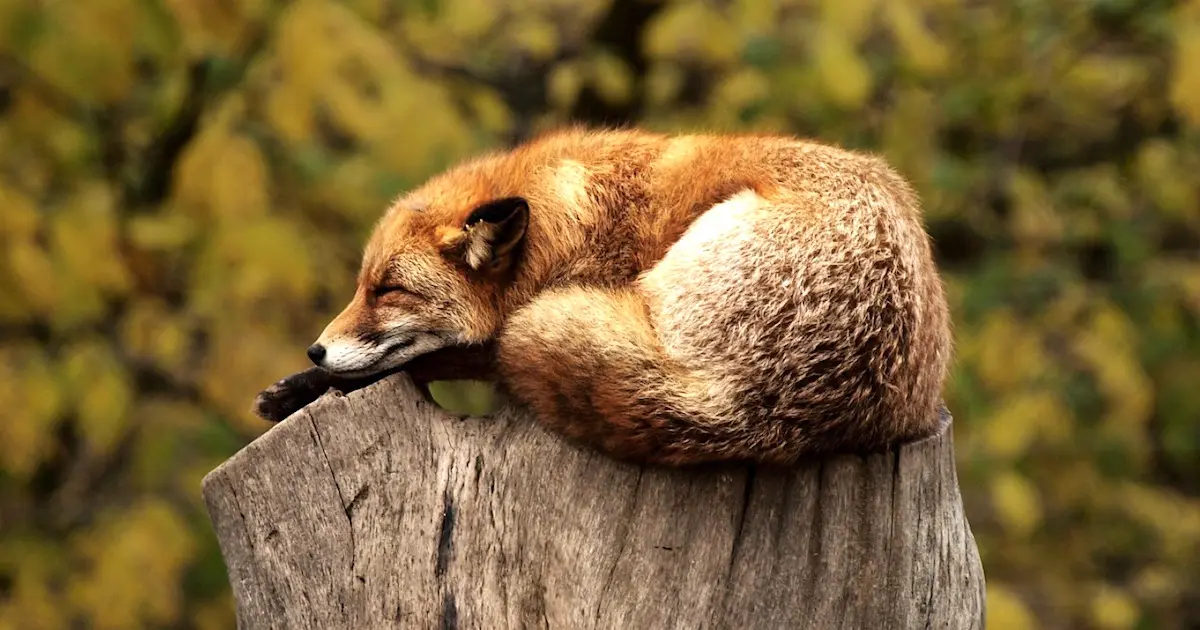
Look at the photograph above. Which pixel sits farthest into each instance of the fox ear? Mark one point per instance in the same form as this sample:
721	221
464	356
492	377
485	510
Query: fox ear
492	232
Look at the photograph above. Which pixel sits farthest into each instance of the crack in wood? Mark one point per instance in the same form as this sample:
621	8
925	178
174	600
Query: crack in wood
445	536
627	522
449	612
316	437
747	495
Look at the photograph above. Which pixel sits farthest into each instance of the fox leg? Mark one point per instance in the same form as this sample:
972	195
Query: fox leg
589	364
294	392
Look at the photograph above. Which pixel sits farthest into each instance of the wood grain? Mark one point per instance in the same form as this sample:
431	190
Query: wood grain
377	510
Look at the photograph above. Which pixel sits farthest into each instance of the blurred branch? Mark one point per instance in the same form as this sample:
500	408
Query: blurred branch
620	32
429	67
163	153
83	480
160	157
74	481
105	120
14	72
37	332
521	84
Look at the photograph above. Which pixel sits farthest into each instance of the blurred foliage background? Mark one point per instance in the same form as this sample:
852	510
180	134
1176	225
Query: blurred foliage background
185	186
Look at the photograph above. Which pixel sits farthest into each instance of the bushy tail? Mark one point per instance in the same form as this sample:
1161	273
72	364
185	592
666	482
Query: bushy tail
589	364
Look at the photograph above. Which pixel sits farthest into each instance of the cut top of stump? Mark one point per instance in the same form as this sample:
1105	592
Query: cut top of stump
378	510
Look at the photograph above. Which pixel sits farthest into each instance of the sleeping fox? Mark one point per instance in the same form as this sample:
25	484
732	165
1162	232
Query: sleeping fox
665	299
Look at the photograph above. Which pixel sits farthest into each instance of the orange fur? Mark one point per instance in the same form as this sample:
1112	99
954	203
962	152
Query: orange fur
673	299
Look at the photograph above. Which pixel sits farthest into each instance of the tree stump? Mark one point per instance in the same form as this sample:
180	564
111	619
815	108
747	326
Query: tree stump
378	510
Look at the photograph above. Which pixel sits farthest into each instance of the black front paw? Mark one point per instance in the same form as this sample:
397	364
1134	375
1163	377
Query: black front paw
295	392
292	394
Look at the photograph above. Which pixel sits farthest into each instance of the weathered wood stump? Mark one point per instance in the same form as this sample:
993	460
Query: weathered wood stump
378	510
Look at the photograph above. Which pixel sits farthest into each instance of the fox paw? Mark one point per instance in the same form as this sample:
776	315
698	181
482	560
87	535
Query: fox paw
291	394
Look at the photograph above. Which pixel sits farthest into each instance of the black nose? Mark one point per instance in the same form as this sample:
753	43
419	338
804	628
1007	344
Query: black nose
316	353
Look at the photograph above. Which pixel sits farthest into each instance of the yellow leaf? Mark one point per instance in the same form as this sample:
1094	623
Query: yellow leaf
1185	83
13	309
33	600
1019	420
148	545
221	174
742	88
103	394
245	354
1061	315
910	141
217	614
1107	78
32	399
755	17
611	77
844	75
264	258
1162	175
87	49
1113	609
406	148
86	304
215	26
663	83
162	441
34	275
1034	218
1006	610
849	18
162	232
564	83
353	111
1016	503
1174	518
313	39
490	111
240	182
1105	187
535	37
193	175
921	47
85	240
289	110
351	188
150	331
1007	352
1157	582
1108	345
691	30
19	216
469	19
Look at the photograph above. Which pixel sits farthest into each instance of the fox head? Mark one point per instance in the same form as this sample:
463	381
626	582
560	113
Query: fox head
431	277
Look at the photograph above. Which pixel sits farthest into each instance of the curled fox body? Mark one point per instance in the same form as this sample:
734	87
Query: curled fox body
668	299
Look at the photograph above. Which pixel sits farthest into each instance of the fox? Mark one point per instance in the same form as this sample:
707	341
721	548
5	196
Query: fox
671	299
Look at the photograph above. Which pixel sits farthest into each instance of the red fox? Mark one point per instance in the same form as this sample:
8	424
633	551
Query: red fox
666	299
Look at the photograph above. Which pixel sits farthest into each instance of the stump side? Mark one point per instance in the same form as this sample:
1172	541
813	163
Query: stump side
377	510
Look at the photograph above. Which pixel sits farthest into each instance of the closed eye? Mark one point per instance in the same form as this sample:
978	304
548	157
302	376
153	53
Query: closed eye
391	288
